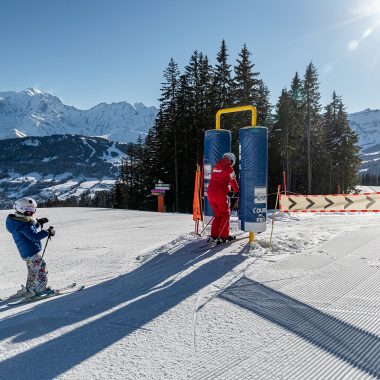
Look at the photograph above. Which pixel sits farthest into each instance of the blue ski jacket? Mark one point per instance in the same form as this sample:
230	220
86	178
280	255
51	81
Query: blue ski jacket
25	234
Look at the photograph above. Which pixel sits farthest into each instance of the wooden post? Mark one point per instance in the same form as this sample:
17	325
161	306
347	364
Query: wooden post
161	203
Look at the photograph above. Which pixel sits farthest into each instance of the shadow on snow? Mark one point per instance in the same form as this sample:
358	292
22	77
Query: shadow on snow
352	345
148	290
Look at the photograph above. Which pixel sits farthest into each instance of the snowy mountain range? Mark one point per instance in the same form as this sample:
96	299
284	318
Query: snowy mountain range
366	124
35	113
57	166
70	151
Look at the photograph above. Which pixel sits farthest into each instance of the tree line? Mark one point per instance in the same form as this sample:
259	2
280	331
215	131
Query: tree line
314	146
317	149
367	179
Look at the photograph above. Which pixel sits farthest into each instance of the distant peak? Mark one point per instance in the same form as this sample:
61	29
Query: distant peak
365	112
32	91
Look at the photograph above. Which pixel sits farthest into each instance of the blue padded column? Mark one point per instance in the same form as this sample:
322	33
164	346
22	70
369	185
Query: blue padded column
216	143
253	151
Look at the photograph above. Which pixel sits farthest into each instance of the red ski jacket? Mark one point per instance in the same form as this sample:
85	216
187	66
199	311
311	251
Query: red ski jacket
222	175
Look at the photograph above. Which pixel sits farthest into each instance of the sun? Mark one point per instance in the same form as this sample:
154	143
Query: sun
366	9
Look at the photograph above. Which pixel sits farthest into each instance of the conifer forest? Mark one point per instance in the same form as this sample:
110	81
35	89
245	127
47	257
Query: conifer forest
313	144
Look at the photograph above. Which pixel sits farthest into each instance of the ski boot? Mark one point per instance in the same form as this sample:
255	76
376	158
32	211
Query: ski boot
24	292
212	239
226	239
47	291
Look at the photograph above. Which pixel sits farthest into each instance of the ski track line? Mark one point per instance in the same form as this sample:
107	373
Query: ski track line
340	337
328	369
358	279
222	363
214	294
331	337
311	283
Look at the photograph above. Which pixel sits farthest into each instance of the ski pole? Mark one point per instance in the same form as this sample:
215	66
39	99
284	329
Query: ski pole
204	229
224	225
47	241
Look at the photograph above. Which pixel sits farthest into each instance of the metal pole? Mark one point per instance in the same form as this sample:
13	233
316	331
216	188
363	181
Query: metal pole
274	213
236	109
47	241
206	226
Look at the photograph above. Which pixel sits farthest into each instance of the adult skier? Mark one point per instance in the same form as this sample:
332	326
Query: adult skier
222	176
24	229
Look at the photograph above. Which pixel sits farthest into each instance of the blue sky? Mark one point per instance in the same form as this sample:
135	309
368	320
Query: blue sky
92	51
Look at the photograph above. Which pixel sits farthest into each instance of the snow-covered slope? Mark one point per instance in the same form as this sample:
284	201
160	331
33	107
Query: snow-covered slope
159	305
36	113
366	124
57	166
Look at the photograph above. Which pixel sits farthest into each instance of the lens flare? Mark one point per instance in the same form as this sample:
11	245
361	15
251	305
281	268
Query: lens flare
353	45
367	33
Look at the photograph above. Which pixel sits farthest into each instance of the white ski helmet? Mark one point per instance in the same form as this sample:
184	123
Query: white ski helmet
26	206
231	157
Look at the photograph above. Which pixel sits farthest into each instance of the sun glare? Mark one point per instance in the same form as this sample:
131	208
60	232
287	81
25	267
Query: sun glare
366	8
370	10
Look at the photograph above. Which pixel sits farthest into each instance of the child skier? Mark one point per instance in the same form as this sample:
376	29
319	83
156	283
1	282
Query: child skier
222	175
24	230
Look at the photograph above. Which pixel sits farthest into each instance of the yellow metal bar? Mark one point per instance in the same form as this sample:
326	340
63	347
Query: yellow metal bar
236	109
251	237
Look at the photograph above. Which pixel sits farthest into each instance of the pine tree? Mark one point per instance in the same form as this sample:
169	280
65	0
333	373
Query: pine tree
312	122
246	84
297	173
186	143
245	92
222	87
263	105
279	150
119	191
166	131
341	145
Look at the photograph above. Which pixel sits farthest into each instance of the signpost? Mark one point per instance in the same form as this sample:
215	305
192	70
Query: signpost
162	186
159	191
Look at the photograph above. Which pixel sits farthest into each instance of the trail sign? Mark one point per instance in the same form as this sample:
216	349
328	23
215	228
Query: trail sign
162	186
157	191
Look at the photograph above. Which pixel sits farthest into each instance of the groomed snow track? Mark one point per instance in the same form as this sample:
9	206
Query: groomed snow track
309	316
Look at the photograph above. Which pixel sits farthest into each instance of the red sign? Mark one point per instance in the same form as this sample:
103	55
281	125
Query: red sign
157	192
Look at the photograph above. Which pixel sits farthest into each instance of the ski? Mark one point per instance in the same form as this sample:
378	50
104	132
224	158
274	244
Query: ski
72	288
218	243
13	297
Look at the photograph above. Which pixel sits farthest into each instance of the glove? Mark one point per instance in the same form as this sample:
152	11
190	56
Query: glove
42	221
51	231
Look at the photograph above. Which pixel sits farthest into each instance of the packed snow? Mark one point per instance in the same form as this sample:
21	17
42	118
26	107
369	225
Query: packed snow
160	304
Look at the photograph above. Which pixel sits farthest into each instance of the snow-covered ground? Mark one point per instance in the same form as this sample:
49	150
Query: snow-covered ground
158	305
